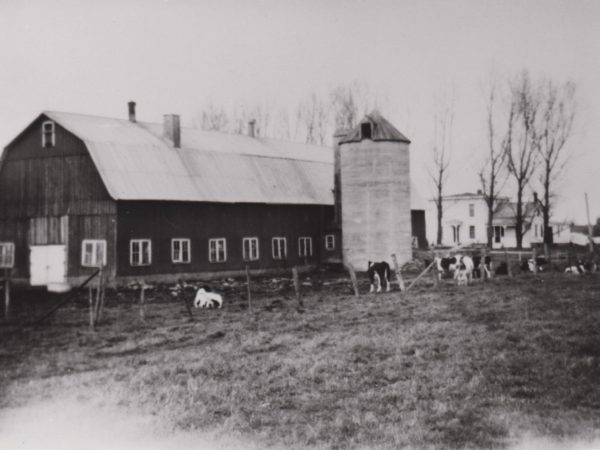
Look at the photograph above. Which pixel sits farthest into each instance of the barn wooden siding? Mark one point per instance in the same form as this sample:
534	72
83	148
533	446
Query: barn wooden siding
199	222
53	196
376	209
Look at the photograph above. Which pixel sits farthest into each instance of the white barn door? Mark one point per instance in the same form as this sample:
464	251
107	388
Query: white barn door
47	264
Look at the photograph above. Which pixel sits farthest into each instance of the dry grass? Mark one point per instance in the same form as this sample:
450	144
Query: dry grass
472	367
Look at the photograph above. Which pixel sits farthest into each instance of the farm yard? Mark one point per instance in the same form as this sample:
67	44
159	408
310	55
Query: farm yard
484	366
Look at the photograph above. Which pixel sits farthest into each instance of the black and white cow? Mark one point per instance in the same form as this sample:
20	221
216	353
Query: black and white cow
461	266
580	267
532	265
379	271
483	265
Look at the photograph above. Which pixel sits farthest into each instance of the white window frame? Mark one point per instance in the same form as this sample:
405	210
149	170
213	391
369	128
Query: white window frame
330	242
219	244
247	254
53	135
279	247
177	254
303	249
95	243
7	255
140	243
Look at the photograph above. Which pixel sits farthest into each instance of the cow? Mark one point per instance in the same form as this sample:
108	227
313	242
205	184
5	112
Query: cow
461	266
379	271
482	265
207	299
532	265
580	267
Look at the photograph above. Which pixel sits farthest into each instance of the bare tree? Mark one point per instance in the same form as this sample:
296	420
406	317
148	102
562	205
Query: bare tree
442	152
491	171
555	127
349	103
212	118
521	149
312	114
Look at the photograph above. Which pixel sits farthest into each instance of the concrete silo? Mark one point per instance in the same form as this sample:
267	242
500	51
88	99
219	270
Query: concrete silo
375	193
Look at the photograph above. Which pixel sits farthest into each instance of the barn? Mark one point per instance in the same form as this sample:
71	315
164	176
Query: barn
160	201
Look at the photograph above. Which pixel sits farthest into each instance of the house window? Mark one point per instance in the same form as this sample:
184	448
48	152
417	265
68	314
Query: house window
329	242
217	250
250	248
48	137
471	210
93	253
305	246
140	252
456	234
472	231
180	251
279	248
498	234
7	255
365	130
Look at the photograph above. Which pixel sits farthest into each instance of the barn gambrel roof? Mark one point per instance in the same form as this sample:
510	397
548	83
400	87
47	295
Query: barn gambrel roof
136	162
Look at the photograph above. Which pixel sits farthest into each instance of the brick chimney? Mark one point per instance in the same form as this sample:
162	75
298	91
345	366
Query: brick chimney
171	129
131	106
252	128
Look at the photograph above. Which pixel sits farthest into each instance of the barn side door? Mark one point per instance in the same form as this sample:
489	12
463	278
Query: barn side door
48	243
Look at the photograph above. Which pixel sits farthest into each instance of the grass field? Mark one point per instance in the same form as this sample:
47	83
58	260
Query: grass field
470	367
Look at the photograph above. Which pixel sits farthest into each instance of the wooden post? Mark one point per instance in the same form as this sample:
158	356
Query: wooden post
184	298
353	279
142	301
534	257
98	297
398	273
590	234
297	286
507	262
248	289
91	304
7	312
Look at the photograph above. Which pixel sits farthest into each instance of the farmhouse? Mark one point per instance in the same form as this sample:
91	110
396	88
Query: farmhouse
465	219
161	202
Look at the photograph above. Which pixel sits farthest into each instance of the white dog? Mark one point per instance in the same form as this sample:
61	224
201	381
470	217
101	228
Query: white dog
206	299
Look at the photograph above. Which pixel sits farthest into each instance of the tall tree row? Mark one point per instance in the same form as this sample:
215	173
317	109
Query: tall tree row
528	128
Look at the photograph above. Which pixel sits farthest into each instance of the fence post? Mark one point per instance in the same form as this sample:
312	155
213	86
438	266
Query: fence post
297	286
533	257
507	262
7	273
398	273
142	301
353	279
248	287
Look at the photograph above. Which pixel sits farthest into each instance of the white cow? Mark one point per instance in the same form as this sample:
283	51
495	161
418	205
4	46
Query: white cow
461	266
207	299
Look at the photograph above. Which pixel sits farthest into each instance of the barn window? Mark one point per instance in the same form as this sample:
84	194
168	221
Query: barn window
7	255
217	250
305	246
472	231
250	248
93	253
140	252
366	130
279	248
48	136
471	210
180	250
329	242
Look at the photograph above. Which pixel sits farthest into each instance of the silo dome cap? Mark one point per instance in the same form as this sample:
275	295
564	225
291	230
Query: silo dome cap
375	127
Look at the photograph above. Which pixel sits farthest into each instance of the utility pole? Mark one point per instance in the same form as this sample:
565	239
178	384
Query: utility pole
587	210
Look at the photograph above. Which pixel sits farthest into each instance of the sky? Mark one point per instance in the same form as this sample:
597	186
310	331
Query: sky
175	56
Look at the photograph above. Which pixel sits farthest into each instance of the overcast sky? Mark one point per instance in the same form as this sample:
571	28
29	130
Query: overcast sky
175	56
